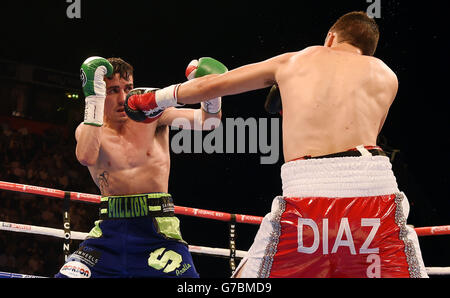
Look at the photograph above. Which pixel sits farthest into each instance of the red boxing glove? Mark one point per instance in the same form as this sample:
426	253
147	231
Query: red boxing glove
140	105
147	104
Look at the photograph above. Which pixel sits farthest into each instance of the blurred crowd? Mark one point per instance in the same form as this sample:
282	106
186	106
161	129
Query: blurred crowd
47	160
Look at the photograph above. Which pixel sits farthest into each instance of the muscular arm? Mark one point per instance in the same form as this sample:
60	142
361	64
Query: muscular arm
196	117
243	79
88	144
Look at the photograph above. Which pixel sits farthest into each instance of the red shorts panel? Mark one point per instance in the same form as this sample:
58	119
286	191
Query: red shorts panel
341	238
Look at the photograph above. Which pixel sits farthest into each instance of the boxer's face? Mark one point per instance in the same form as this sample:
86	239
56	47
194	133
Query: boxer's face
117	89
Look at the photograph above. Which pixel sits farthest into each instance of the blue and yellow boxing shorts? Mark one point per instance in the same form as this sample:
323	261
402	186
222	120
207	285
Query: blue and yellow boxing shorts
137	236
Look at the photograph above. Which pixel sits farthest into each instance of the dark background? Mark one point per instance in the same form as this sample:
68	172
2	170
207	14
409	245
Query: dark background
159	38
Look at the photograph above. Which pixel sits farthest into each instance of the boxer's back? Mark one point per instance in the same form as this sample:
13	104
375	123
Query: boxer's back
333	101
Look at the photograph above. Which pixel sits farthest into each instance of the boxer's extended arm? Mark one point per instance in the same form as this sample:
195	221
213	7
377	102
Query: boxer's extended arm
243	79
150	104
209	115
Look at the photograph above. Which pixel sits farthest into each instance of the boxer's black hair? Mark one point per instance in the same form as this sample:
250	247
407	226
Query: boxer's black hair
359	30
124	69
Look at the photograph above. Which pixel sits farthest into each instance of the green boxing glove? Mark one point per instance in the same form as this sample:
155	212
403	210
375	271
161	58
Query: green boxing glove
92	72
202	67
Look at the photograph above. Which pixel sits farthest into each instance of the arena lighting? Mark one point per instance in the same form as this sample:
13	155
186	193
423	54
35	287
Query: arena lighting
71	95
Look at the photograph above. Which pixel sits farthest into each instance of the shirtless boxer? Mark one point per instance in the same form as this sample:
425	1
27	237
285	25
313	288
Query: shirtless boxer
341	213
137	234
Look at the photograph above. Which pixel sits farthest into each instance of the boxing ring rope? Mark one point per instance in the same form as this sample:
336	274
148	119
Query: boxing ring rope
74	235
179	210
90	198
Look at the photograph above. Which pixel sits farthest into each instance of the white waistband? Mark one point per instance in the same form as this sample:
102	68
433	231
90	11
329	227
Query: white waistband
340	177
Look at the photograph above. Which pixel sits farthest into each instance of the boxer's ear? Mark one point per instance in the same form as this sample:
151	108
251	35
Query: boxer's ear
331	36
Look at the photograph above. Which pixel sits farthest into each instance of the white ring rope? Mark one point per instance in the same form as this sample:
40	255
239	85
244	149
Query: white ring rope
18	275
22	228
438	270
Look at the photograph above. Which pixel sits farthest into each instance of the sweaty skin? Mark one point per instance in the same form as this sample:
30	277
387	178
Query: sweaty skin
124	156
333	97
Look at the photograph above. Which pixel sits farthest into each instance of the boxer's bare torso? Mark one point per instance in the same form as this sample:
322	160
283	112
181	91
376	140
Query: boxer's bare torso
334	99
124	156
134	160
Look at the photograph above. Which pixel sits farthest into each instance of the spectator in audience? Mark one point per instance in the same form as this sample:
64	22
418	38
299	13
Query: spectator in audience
44	160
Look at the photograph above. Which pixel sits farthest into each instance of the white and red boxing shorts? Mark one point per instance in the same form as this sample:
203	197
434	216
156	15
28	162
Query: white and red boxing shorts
339	217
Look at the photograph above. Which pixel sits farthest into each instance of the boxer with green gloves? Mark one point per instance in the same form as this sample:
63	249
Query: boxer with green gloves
130	162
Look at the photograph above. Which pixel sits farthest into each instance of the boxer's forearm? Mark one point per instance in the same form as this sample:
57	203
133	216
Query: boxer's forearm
211	121
243	79
199	89
88	144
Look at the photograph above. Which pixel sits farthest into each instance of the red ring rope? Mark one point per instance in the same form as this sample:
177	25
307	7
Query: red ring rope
90	198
